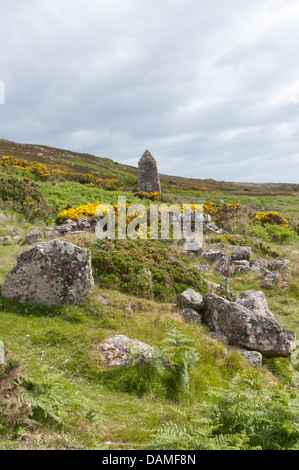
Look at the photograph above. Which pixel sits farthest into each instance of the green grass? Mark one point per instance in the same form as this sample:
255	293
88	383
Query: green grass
100	408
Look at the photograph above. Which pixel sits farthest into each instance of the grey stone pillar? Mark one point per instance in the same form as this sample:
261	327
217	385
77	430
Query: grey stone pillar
148	176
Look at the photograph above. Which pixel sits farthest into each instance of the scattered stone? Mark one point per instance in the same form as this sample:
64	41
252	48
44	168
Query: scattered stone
34	236
190	299
194	247
2	353
241	266
241	253
212	286
202	268
253	358
247	329
120	351
257	264
218	246
210	227
270	280
223	266
53	274
256	302
279	264
6	240
213	255
190	315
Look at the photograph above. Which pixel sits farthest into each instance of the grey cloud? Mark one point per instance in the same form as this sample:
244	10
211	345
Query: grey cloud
196	82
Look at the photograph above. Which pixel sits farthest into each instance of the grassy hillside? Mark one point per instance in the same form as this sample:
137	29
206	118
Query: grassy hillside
56	391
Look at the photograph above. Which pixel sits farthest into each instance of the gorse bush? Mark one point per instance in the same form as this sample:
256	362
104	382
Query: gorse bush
23	196
244	417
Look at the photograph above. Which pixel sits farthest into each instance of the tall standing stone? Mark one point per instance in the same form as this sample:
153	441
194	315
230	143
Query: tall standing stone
148	176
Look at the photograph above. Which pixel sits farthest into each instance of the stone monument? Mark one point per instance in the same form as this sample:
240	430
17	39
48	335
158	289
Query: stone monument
148	176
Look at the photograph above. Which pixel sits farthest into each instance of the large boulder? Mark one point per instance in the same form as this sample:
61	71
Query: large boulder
190	299
213	255
120	351
257	264
242	266
53	274
246	328
279	264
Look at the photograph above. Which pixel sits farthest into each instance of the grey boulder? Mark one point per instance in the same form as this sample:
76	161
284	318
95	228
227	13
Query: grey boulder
53	274
190	299
246	328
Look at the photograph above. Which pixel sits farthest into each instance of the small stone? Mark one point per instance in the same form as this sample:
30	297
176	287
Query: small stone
117	351
270	280
190	299
190	315
213	255
257	264
202	268
195	247
34	236
241	253
279	264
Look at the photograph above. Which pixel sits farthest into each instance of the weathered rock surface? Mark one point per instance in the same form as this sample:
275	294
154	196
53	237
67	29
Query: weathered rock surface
34	236
257	264
195	247
53	274
190	299
202	268
241	253
223	266
247	329
256	302
82	224
254	358
242	266
270	280
279	264
117	351
190	315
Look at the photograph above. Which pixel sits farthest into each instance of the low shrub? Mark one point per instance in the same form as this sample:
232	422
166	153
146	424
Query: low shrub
126	265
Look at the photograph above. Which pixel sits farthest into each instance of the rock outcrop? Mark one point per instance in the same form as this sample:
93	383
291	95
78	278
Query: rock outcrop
53	274
248	329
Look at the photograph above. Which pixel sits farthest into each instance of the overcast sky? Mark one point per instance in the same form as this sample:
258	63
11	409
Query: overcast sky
210	87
